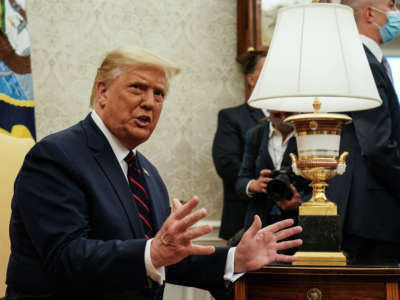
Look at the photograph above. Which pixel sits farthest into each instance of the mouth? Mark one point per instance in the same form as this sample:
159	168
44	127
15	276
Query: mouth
143	121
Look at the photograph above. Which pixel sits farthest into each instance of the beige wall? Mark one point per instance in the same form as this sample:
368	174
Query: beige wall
69	37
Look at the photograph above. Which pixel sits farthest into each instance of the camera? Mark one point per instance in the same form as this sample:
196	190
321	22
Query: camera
279	187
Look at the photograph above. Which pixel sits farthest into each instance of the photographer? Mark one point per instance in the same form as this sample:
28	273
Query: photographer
266	158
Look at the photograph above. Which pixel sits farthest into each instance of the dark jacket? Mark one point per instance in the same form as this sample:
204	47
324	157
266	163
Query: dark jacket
75	231
227	152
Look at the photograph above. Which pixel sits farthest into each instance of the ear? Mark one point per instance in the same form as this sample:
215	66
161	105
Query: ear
368	14
101	93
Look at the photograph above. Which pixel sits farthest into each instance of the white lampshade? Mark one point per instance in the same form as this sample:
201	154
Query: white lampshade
316	51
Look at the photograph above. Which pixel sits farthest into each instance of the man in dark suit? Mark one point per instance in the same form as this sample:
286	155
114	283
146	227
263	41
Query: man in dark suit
91	216
368	193
228	148
267	149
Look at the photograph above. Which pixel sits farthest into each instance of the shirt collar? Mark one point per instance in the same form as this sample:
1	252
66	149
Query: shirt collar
372	46
119	150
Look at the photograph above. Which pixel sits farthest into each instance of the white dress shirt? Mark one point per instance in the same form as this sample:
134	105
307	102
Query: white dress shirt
372	46
158	275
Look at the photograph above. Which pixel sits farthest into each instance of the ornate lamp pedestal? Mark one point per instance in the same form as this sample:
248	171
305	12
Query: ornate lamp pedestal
318	139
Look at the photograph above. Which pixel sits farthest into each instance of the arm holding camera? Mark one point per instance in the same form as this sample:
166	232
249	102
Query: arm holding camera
259	185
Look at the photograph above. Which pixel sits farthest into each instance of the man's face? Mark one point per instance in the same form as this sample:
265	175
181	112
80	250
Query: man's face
131	104
276	117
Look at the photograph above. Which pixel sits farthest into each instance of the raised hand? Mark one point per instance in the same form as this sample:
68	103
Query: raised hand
173	242
259	247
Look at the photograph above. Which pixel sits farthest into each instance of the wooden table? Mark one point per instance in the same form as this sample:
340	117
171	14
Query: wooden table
314	283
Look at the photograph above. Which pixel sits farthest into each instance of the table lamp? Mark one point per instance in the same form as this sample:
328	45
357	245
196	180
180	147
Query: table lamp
316	65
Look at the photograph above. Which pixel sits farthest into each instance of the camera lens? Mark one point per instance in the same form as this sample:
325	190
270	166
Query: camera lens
279	188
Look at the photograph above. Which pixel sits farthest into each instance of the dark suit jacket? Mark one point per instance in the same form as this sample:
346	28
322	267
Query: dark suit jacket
255	159
368	193
227	152
74	227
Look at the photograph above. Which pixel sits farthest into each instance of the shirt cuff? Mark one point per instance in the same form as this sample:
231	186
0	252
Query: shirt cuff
157	275
248	193
230	267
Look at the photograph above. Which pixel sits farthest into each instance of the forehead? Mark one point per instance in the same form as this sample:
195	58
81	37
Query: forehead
150	75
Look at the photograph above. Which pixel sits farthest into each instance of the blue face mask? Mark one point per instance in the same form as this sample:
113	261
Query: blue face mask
392	28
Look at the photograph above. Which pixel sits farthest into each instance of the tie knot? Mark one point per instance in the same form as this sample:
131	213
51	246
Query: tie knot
130	157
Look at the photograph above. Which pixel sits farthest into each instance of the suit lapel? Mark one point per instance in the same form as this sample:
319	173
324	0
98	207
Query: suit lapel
267	157
291	148
106	159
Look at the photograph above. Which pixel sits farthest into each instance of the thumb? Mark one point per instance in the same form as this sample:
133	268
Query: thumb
255	227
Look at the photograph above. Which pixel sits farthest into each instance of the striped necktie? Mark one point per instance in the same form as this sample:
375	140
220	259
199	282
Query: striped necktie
139	194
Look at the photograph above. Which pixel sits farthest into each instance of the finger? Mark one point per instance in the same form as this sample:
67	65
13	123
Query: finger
265	172
285	233
197	232
176	204
284	258
289	244
202	250
255	227
279	225
190	220
186	209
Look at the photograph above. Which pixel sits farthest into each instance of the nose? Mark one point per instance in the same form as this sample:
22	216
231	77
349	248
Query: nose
148	99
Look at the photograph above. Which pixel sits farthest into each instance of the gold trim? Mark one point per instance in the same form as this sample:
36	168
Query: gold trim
320	116
320	132
16	102
313	208
318	156
319	259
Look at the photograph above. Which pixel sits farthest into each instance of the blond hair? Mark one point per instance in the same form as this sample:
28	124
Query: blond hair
129	56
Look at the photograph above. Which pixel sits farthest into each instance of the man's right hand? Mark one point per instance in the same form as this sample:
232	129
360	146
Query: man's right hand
260	184
173	242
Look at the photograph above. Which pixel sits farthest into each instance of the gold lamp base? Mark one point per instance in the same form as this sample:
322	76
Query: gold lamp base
318	139
304	258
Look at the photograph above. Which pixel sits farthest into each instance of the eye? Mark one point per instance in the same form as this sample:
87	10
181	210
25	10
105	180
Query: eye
159	94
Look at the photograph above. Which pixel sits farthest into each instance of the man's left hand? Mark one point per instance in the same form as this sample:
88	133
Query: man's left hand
259	247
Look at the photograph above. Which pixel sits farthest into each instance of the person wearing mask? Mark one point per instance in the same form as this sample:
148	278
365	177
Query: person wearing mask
368	193
228	148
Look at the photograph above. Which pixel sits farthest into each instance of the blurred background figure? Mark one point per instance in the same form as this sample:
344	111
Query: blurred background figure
228	148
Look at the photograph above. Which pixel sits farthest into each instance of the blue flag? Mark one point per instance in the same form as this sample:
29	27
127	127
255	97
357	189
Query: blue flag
16	89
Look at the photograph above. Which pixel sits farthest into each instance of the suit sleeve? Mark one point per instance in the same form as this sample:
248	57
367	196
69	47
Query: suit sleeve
50	197
210	277
227	148
248	167
374	132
